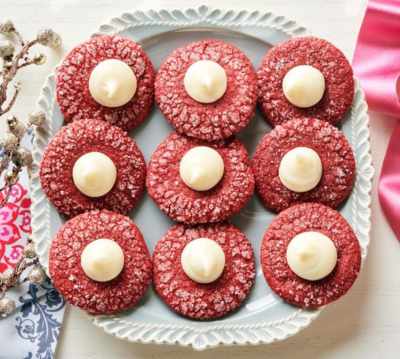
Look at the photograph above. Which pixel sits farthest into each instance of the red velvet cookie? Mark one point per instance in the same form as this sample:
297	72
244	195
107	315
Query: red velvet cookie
74	98
212	121
184	204
204	301
338	74
68	277
336	155
293	289
77	139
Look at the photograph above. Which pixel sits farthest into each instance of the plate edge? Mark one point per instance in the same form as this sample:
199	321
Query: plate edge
199	340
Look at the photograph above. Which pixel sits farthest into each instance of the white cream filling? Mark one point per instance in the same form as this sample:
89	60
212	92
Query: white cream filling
300	169
201	168
203	260
205	81
102	260
311	255
303	86
94	174
112	83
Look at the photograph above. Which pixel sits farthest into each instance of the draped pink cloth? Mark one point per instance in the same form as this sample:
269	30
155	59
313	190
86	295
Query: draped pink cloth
377	64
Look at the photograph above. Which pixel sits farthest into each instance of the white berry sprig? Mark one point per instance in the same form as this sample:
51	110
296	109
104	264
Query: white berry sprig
26	269
15	55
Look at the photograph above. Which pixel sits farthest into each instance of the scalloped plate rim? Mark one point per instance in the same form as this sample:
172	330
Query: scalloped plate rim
200	16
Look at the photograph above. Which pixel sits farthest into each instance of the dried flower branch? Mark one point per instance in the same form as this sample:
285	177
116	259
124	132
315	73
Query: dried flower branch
13	62
17	88
15	54
11	279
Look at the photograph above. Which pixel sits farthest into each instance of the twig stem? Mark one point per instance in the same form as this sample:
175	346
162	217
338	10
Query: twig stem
9	75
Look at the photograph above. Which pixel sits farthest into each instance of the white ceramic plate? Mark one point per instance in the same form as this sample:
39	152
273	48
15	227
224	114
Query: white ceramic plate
264	318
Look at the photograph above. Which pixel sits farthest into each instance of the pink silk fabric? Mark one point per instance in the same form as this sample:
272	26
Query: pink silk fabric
377	64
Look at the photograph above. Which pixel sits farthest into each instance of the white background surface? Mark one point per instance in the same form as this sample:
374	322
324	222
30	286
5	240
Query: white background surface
366	322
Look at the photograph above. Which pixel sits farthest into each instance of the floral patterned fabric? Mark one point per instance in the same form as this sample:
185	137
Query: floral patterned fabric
32	330
15	226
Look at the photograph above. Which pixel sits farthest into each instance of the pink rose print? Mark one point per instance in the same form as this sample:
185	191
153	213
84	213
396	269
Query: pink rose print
15	226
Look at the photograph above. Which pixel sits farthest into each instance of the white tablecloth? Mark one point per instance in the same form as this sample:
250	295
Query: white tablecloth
364	324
